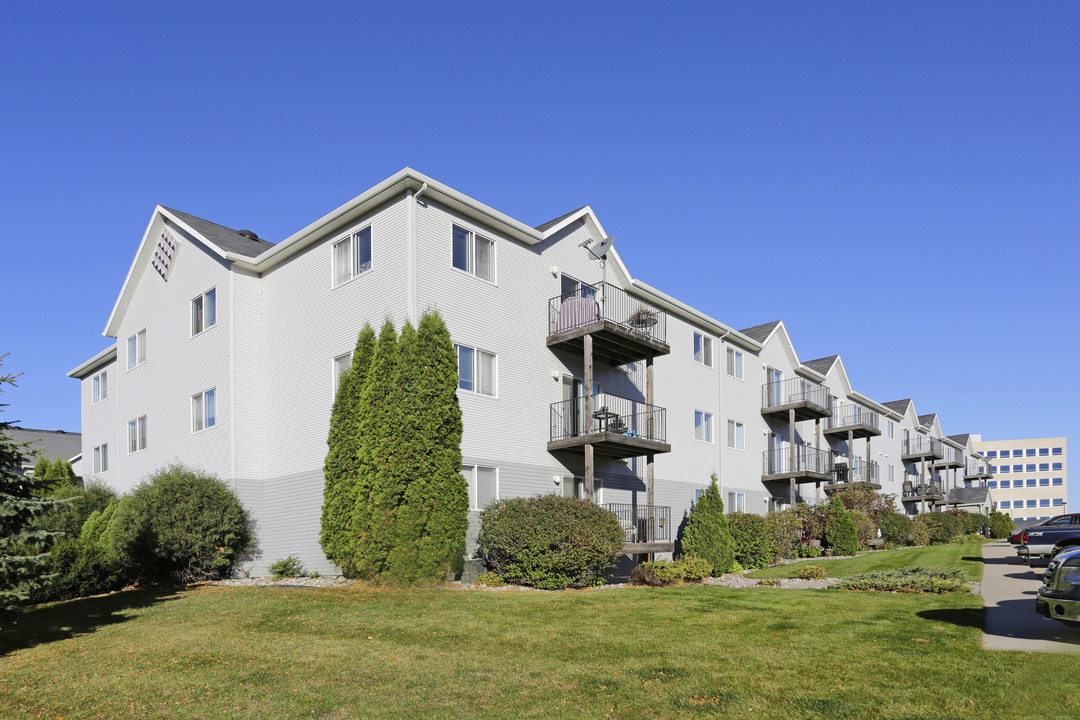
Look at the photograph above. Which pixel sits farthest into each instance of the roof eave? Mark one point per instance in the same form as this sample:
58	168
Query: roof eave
95	363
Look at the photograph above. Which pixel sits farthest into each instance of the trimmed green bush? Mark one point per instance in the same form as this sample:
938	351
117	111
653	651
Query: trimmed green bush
785	531
942	528
549	541
706	534
1000	525
906	580
753	542
660	573
896	529
181	524
812	572
840	531
490	579
287	567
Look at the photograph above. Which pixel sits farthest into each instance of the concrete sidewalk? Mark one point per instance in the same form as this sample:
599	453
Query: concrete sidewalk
1009	588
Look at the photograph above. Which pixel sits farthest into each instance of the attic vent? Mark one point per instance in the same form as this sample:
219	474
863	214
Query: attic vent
248	234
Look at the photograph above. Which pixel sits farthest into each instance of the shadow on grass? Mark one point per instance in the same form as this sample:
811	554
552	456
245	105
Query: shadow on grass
64	620
964	617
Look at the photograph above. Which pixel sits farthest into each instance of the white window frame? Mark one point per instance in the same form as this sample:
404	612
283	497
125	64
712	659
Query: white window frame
469	472
735	363
703	349
204	312
474	241
736	502
478	377
138	343
137	435
100	389
341	364
576	486
101	458
350	256
703	422
736	435
201	418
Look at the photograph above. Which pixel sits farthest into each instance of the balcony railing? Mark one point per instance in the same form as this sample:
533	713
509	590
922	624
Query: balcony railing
604	301
808	399
643	523
928	491
922	446
856	417
862	473
807	460
975	469
610	414
950	457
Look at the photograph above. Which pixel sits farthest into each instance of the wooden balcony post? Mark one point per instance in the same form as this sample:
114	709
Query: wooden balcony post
791	439
588	419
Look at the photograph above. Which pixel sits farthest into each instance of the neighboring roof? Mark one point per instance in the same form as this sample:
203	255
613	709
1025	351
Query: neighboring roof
962	439
227	239
969	496
556	221
760	333
898	406
821	365
927	420
55	444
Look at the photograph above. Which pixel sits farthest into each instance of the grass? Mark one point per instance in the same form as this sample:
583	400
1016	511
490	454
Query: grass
967	557
687	652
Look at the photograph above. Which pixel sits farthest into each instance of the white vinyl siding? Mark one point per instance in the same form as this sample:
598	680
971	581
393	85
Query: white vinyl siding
101	387
204	311
476	370
352	256
137	435
483	485
473	253
203	411
136	345
703	349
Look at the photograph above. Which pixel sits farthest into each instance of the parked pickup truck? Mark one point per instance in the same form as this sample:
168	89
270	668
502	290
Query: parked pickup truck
1048	540
1059	596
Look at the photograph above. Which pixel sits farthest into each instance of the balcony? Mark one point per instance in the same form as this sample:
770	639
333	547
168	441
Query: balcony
862	474
646	528
857	420
975	470
929	492
623	328
921	447
810	401
951	458
811	465
619	427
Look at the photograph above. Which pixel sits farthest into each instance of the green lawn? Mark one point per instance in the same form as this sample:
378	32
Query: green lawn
216	652
967	557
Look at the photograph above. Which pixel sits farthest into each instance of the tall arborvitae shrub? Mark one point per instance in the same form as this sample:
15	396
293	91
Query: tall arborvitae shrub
22	546
1000	524
377	488
342	467
841	533
706	534
430	529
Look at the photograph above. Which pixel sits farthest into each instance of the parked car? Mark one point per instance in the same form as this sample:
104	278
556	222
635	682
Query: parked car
1059	596
1049	540
1014	536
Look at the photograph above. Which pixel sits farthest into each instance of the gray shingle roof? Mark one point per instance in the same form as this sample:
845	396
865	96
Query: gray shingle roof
759	333
821	365
898	406
556	221
969	496
927	419
56	444
225	238
960	439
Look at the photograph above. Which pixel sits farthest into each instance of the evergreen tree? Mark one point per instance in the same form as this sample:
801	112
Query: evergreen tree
377	488
840	531
42	468
342	467
706	534
433	519
22	547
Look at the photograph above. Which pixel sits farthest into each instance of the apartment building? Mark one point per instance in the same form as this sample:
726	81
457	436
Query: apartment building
575	376
1031	477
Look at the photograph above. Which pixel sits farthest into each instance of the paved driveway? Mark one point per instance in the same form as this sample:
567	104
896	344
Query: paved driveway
1009	587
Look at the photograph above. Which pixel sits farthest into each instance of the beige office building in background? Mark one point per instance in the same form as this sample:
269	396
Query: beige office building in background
1031	478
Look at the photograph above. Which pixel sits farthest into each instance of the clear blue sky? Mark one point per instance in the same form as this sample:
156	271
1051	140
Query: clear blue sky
902	177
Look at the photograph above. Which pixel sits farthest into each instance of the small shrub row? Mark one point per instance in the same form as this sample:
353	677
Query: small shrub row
908	580
659	573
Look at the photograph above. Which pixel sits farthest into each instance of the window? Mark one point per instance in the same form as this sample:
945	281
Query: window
702	426
341	364
1030	452
1018	468
1031	482
1044	482
890	428
1044	502
735	433
1018	483
483	485
352	256
1055	451
101	458
203	411
992	484
1030	467
1058	502
474	254
476	370
890	473
1030	503
1001	469
1005	505
991	453
1056	467
575	487
101	387
734	363
137	349
137	435
736	502
1043	467
703	349
1056	482
204	311
1018	453
1044	452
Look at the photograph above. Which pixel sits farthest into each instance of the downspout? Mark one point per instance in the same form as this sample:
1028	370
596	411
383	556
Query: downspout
411	292
720	414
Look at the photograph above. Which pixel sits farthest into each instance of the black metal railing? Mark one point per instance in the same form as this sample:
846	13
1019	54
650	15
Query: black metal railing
922	445
976	469
950	455
610	413
862	472
795	390
643	523
807	459
847	415
604	301
919	491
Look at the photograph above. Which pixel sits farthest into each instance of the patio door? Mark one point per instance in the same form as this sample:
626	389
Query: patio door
776	447
573	389
773	378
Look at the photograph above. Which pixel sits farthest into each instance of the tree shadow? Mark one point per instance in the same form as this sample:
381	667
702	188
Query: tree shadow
964	617
64	620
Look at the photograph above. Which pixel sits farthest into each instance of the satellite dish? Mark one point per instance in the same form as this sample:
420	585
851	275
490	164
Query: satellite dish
599	250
